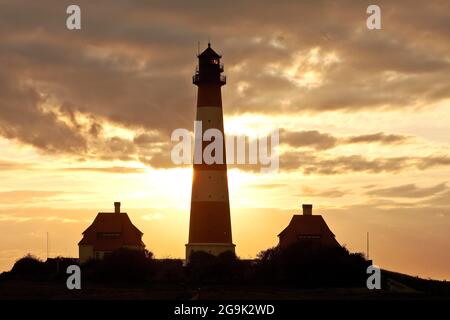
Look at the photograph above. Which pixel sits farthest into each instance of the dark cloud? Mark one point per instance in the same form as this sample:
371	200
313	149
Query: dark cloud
323	141
310	163
430	162
116	148
159	161
328	193
22	119
131	64
379	137
408	191
147	138
313	139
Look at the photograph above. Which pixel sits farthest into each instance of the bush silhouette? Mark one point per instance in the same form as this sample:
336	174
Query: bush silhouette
308	264
168	271
207	268
30	267
303	264
123	265
57	266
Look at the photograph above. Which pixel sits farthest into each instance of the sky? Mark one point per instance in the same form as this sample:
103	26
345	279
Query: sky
86	117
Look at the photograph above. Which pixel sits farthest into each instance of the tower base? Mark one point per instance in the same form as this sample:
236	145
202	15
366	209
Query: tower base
211	248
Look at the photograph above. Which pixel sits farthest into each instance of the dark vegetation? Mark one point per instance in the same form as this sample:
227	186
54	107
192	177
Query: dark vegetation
302	265
123	265
32	268
310	265
290	273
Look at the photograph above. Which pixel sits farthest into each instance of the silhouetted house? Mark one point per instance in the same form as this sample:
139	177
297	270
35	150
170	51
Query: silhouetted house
307	228
109	231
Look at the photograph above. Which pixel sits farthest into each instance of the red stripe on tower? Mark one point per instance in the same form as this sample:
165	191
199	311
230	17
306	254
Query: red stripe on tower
210	223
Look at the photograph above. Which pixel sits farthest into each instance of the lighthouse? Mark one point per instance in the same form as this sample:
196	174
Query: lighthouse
210	222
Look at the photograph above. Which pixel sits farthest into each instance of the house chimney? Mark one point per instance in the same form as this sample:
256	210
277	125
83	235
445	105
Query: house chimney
307	209
116	207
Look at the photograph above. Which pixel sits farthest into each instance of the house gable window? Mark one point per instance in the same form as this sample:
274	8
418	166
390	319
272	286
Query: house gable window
308	236
108	234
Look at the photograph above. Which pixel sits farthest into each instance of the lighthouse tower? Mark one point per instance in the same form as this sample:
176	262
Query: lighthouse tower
210	223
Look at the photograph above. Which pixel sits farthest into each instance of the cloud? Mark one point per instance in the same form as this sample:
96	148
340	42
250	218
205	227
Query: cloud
328	193
11	165
268	186
18	219
119	170
379	137
440	200
430	162
324	141
115	148
20	196
313	139
147	138
22	119
310	163
134	69
408	191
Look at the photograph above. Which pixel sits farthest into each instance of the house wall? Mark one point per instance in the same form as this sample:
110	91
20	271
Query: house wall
100	255
86	252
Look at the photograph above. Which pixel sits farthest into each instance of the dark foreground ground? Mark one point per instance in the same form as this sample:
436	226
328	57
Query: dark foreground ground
397	286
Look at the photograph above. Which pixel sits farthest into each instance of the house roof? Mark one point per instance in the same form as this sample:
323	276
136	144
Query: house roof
307	225
111	223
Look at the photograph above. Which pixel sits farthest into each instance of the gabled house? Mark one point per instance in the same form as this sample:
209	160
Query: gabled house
307	228
109	231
